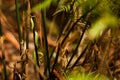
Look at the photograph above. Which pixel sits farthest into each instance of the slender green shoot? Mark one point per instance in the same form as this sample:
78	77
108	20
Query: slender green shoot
46	54
18	24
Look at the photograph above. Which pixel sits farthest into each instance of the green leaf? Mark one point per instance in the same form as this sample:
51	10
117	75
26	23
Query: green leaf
65	8
32	23
36	39
40	55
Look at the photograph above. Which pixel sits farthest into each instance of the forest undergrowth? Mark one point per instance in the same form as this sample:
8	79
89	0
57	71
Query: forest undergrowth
59	40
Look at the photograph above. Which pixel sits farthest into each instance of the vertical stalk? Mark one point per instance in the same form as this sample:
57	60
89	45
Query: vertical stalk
36	25
18	24
5	72
3	54
33	16
36	48
28	25
46	54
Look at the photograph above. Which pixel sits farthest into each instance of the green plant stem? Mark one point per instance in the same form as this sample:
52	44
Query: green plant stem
18	24
5	72
3	54
26	31
36	48
46	54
